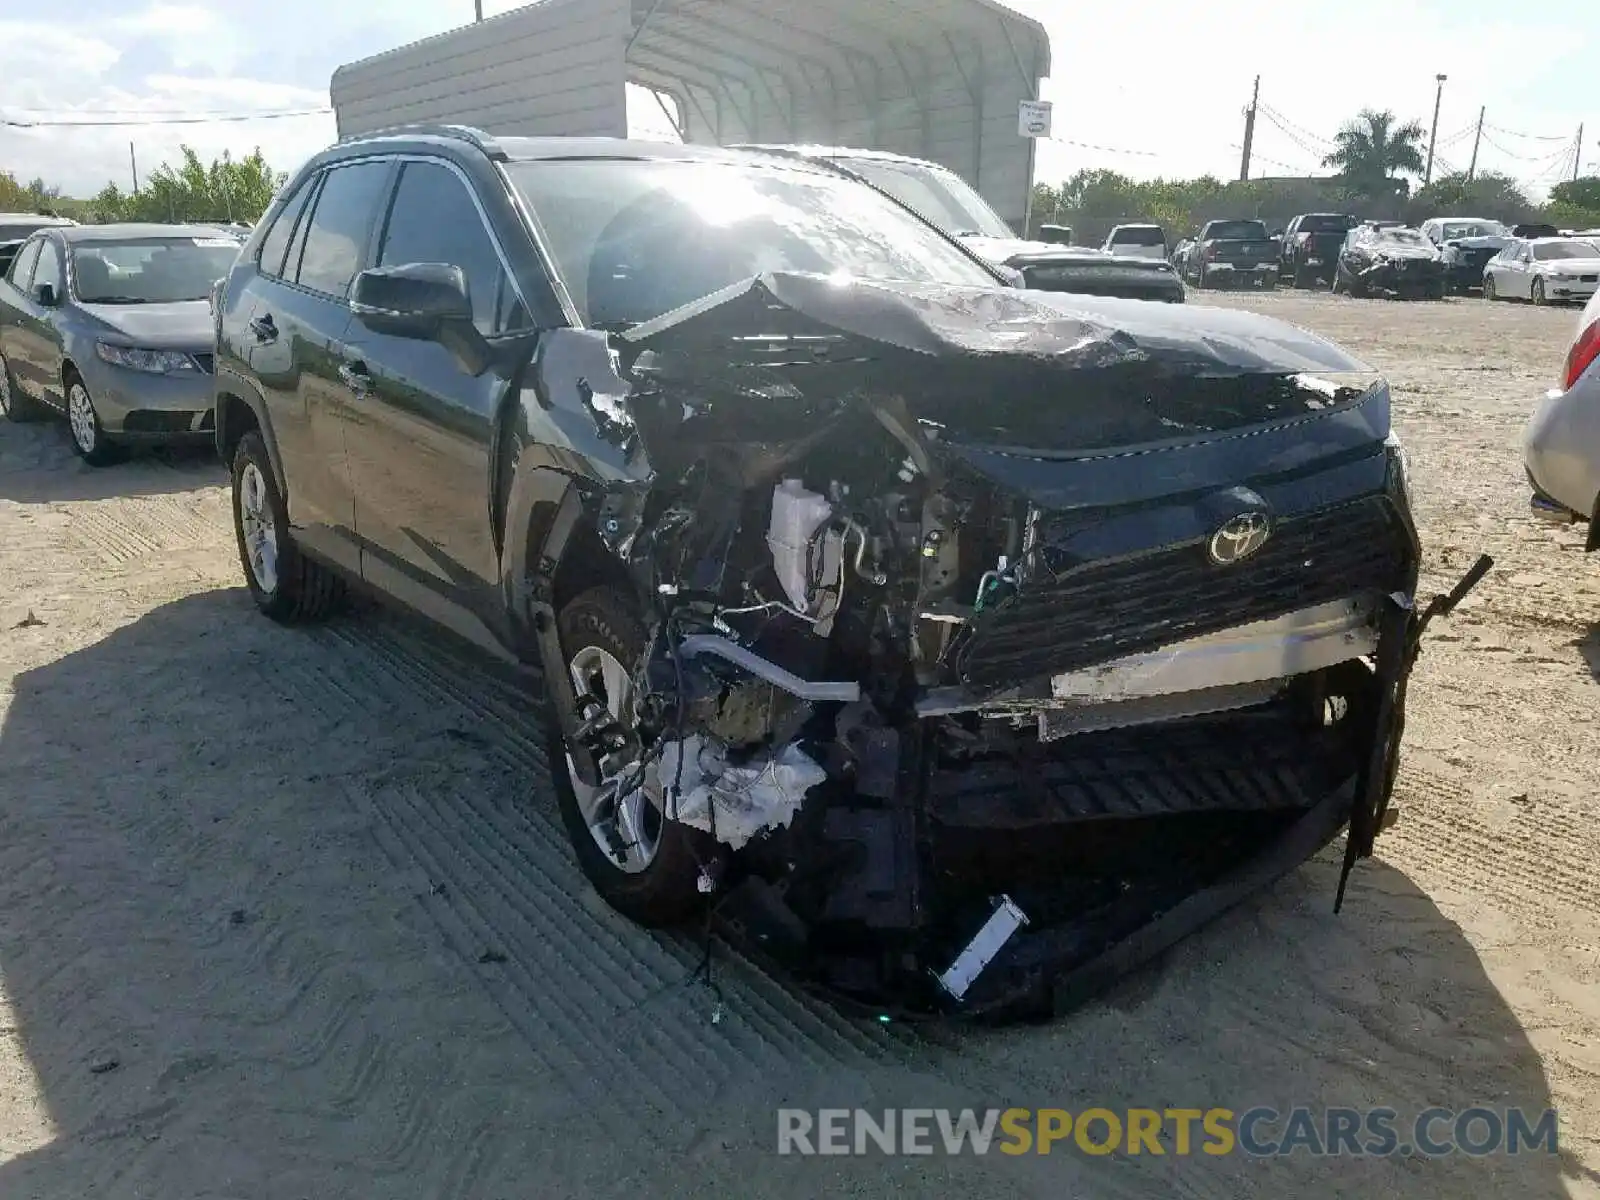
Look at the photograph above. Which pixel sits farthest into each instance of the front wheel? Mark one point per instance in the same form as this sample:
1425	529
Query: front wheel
1488	288
1537	294
285	584
646	867
89	438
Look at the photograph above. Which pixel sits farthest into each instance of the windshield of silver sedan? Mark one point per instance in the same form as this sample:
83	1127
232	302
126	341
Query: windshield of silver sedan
635	238
161	270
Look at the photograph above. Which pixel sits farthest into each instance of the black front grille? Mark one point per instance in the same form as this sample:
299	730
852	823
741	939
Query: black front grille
205	362
1106	608
147	420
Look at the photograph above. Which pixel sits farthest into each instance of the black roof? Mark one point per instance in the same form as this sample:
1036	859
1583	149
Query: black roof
528	149
132	230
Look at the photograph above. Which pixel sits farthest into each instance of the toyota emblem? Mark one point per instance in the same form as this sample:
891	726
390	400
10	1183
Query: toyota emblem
1240	537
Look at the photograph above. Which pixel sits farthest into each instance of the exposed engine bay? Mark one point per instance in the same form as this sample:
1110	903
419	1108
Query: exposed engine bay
994	644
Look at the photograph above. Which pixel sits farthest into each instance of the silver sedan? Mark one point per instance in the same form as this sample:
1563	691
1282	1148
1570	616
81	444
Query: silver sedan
1561	446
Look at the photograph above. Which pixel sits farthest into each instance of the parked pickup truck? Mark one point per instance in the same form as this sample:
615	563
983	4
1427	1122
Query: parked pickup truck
1232	252
1310	248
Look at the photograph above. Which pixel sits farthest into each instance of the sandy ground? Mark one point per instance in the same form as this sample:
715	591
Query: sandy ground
289	913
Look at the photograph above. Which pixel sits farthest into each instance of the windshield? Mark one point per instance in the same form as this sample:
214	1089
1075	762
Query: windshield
941	196
634	239
151	270
1237	231
1472	229
1138	235
1403	237
1572	249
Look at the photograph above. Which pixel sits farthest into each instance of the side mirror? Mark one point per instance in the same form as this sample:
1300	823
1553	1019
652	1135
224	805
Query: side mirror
45	294
413	300
424	301
1012	276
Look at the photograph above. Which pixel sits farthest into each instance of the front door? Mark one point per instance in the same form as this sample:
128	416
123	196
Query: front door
422	452
293	340
37	344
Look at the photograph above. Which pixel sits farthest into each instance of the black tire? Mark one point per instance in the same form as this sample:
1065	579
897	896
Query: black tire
1436	291
92	445
301	590
666	892
1488	288
1200	278
1299	278
14	406
1536	293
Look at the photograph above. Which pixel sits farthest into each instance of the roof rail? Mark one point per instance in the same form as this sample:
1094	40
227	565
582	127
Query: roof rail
466	133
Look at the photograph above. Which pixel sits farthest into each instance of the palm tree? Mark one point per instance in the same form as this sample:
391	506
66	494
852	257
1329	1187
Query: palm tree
1371	151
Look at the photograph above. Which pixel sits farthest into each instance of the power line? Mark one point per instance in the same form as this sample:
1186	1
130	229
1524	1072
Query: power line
1531	137
1104	149
1302	170
1279	119
187	120
1520	157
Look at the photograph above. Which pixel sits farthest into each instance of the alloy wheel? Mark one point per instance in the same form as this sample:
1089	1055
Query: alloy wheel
623	813
258	528
80	415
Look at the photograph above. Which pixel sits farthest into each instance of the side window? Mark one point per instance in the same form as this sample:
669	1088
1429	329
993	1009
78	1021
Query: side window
340	226
22	268
49	268
434	220
274	245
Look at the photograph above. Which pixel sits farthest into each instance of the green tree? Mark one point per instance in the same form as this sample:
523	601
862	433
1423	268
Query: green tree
13	196
227	190
1583	192
1490	194
1372	152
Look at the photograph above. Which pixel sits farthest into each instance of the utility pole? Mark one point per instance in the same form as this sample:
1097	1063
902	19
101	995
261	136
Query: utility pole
477	6
1249	130
133	165
1577	153
1427	175
1472	170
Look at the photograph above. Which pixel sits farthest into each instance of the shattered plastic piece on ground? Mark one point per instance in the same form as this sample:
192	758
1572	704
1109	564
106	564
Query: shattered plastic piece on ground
750	798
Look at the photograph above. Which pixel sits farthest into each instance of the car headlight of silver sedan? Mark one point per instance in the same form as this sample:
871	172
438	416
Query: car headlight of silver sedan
152	362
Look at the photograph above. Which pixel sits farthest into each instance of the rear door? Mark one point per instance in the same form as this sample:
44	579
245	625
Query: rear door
13	308
421	453
294	345
36	344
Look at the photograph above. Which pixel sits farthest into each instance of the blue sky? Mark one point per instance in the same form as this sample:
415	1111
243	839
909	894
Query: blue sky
1177	113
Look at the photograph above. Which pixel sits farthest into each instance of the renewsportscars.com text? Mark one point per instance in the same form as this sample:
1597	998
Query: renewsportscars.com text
1256	1132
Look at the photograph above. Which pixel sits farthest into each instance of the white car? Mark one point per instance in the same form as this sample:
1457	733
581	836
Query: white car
1137	241
1561	446
1545	270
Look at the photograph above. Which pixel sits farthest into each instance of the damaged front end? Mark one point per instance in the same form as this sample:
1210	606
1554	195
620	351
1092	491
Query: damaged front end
997	640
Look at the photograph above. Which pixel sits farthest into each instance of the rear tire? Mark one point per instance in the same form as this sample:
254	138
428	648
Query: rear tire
1488	288
1536	294
285	584
662	890
14	406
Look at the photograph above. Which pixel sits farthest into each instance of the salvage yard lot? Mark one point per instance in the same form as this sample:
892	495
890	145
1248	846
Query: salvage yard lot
290	913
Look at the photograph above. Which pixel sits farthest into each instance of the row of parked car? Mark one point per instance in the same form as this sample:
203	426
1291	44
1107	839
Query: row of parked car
1445	255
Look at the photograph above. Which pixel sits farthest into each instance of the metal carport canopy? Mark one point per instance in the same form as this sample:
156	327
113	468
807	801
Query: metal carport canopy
937	79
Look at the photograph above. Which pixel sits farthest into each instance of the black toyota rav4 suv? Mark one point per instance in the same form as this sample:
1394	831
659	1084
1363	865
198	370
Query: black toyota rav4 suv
956	645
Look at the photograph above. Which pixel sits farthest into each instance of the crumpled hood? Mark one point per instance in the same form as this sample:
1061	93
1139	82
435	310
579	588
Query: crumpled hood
783	355
1394	251
184	325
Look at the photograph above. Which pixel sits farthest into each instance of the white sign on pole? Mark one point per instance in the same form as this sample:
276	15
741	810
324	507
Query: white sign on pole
1033	119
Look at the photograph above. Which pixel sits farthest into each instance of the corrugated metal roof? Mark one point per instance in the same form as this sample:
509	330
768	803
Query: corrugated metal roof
933	79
